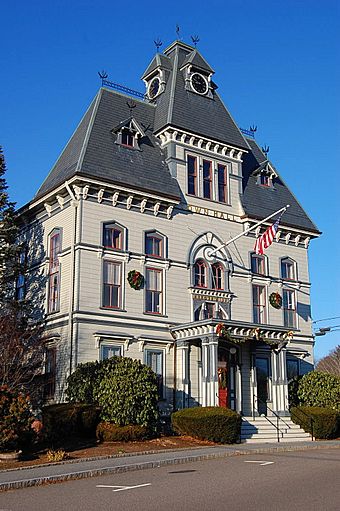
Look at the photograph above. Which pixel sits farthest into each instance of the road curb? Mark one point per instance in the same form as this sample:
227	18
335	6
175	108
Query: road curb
82	474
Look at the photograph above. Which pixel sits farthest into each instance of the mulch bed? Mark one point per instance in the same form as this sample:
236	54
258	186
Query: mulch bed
79	449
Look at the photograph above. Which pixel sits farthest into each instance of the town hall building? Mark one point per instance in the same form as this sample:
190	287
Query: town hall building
127	250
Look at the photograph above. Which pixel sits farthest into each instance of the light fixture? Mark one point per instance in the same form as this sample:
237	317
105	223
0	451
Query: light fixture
233	351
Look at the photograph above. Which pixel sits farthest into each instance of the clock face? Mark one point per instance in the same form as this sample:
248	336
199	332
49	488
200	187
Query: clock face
199	83
154	87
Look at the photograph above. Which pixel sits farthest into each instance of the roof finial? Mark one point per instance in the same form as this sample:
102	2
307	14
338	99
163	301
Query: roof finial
265	150
253	128
177	32
103	75
131	105
195	39
158	43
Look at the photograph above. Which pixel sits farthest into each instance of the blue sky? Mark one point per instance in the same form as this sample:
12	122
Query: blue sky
276	63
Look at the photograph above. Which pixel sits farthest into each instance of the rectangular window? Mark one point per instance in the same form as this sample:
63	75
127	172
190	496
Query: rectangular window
207	179
257	264
289	316
50	372
112	284
154	359
259	304
127	138
153	292
110	350
222	178
292	368
54	274
192	175
112	237
287	270
153	245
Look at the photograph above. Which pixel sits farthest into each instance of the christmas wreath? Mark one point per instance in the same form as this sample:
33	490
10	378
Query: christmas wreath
135	279
275	300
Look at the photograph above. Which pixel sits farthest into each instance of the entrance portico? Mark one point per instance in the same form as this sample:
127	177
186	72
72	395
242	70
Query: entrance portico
244	369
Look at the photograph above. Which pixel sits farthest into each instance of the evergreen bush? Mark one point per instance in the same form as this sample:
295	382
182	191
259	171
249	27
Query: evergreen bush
326	422
15	420
125	390
319	389
217	424
108	432
67	420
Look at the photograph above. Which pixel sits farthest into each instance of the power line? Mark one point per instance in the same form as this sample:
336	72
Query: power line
325	319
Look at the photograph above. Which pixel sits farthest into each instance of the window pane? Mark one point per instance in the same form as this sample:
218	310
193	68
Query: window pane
108	351
259	304
207	179
154	359
111	284
153	245
292	369
192	174
222	183
153	295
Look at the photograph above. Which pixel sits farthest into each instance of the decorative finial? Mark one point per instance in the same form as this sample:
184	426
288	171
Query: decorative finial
103	75
177	31
131	105
195	39
158	43
265	150
253	128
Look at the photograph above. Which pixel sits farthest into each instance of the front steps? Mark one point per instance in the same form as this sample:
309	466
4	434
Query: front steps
263	430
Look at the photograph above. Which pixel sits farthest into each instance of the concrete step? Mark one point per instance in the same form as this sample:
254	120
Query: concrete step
261	430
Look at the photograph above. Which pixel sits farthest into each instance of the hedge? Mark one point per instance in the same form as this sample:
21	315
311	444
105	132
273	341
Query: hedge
319	389
16	420
109	432
68	420
326	422
217	424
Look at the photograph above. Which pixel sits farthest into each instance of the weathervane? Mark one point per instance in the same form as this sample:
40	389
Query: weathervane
177	31
131	105
253	128
265	150
103	75
158	43
195	39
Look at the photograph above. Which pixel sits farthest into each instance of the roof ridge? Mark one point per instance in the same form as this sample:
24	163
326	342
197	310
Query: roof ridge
88	131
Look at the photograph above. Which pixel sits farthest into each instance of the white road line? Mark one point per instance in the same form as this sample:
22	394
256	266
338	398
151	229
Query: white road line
261	463
122	488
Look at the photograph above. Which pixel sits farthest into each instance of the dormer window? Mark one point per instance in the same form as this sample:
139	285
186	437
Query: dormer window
127	138
129	133
265	180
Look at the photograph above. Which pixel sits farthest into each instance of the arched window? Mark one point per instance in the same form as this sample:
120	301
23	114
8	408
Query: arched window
113	236
217	273
200	273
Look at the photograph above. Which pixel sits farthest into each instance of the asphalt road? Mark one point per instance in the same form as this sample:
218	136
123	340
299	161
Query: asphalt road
303	480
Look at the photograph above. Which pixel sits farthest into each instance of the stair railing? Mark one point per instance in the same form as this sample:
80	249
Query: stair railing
278	418
311	420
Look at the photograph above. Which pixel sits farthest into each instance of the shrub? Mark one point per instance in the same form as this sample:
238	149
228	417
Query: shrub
220	425
293	387
69	419
319	389
108	432
15	420
326	422
125	389
59	455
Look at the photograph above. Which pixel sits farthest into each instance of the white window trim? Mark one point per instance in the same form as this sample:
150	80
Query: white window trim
214	185
296	326
160	350
266	311
121	262
161	269
108	343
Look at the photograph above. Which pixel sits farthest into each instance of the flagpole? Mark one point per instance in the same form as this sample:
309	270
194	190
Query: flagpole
248	230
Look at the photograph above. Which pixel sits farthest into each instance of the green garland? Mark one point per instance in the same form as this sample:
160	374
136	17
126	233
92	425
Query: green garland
275	300
135	279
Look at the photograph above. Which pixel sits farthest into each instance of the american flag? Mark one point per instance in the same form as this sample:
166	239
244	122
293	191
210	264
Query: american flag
267	237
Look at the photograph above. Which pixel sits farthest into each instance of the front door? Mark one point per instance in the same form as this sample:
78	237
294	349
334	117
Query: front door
223	377
262	378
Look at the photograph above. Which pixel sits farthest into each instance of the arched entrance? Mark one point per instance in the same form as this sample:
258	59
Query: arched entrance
226	377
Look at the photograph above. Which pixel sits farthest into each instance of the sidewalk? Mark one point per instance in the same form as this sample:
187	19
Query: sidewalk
91	467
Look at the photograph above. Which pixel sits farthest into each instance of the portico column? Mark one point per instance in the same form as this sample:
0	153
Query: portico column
205	370
284	402
213	372
275	381
183	372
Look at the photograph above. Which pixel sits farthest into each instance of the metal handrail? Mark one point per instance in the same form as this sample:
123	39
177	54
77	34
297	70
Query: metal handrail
309	417
278	418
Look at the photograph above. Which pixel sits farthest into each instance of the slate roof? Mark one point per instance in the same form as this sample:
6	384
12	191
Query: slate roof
196	59
159	60
259	201
92	150
184	109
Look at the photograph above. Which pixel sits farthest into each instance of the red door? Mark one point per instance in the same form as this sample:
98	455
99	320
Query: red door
222	387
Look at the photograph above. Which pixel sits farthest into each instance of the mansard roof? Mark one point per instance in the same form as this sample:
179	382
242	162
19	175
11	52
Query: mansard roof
93	152
196	60
259	201
159	60
184	109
